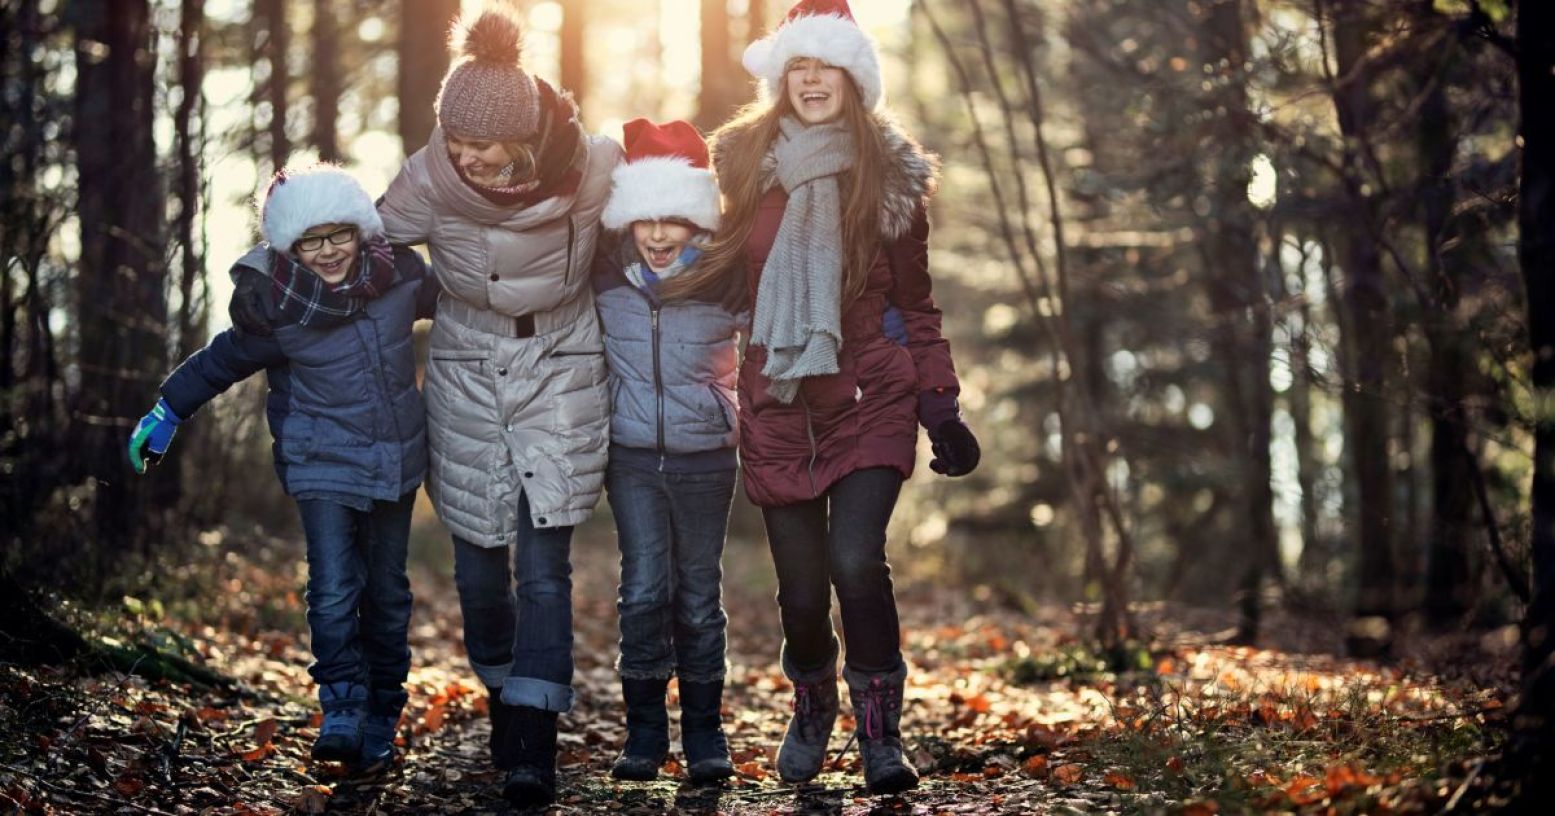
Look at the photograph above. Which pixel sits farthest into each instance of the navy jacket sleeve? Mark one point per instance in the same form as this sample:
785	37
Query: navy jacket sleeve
230	358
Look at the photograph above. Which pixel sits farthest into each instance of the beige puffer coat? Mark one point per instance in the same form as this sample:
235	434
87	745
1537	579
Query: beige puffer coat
506	413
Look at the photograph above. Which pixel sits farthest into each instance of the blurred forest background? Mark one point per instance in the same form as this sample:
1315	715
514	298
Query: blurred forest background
1245	294
1233	284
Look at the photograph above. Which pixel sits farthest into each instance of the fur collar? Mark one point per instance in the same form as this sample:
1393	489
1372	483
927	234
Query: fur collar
911	173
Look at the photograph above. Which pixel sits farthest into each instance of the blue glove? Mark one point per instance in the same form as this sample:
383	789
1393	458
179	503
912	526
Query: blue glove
893	325
152	436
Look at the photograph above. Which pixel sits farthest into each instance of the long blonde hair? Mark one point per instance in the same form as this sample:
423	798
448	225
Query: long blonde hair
741	147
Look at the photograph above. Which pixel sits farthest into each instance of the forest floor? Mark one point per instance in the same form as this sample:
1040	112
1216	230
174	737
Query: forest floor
1007	713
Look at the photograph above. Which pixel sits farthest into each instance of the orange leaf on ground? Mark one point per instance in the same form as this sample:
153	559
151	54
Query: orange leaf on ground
265	730
1305	790
1204	808
671	767
965	778
979	704
1165	666
752	770
433	719
1035	766
1068	774
128	785
1119	780
1174	765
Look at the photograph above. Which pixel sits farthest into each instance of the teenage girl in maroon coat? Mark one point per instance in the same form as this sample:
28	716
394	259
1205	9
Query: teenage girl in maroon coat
825	238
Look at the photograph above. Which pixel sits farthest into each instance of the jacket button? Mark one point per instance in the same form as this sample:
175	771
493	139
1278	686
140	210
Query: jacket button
495	277
507	427
529	474
502	372
541	519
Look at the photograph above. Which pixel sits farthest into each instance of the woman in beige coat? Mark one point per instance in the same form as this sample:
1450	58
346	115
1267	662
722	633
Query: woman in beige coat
508	194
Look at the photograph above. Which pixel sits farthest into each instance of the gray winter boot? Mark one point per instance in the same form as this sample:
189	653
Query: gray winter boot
815	712
877	705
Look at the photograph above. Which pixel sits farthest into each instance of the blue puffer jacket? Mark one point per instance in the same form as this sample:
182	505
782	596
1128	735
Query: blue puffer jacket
672	365
343	408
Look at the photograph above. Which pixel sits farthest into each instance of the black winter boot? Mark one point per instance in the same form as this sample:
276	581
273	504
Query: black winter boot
877	705
531	741
501	720
647	729
702	734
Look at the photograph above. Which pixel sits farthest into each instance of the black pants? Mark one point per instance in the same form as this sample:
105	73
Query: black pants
838	540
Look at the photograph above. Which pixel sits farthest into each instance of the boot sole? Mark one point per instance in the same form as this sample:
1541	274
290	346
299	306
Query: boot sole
711	772
634	773
895	782
335	753
527	794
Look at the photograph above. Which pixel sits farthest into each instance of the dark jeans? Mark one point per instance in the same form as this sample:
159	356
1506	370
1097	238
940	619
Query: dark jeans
519	633
838	540
358	596
671	527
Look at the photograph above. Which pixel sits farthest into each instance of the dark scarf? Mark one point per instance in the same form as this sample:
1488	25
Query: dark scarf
560	149
305	298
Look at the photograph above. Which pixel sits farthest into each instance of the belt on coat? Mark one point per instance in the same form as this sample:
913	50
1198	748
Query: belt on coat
485	320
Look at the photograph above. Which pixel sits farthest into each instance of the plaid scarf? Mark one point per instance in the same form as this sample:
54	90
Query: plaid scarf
305	298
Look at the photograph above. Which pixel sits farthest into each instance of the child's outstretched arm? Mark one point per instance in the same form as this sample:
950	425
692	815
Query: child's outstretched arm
230	358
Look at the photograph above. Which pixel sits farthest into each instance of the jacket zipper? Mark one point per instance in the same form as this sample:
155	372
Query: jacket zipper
809	429
658	383
571	235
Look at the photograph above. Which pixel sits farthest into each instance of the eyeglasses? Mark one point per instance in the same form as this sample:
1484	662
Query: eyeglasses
313	243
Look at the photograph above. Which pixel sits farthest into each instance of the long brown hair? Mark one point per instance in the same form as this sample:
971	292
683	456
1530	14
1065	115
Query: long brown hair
740	151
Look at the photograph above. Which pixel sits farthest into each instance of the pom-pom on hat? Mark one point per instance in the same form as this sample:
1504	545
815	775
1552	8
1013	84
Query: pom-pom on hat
298	199
823	30
486	94
665	175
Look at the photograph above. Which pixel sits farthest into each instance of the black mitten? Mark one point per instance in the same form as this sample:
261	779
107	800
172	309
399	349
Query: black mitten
956	452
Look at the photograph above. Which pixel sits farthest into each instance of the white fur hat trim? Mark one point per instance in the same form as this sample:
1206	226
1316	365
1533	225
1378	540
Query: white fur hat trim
309	196
661	187
831	38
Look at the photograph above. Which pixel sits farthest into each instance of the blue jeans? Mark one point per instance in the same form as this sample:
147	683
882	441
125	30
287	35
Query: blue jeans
671	527
838	540
519	634
358	595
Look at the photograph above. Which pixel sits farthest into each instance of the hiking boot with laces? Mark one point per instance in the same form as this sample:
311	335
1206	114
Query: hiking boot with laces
877	706
803	752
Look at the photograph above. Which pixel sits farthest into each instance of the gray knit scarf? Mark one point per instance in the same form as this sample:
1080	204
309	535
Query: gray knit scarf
798	317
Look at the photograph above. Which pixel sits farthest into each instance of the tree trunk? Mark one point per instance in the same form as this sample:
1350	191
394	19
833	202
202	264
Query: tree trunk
1533	748
191	108
1448	586
756	20
1239	300
715	99
273	47
119	283
574	62
423	59
1364	296
324	72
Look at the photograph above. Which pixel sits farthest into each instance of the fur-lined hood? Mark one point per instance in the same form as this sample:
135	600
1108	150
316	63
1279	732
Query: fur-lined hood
911	174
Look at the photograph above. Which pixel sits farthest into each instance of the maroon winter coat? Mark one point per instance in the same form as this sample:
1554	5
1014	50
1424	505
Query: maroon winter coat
866	415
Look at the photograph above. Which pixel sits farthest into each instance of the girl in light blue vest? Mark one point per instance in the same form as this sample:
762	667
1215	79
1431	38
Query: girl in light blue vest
334	304
672	465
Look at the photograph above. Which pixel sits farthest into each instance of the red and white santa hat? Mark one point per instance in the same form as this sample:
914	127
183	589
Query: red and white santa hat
299	198
823	30
665	176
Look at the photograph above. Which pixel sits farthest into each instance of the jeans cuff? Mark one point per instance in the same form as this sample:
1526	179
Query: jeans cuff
535	693
716	676
663	672
492	676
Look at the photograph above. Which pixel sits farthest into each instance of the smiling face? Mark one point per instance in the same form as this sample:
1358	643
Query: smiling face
329	260
815	89
660	242
480	160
